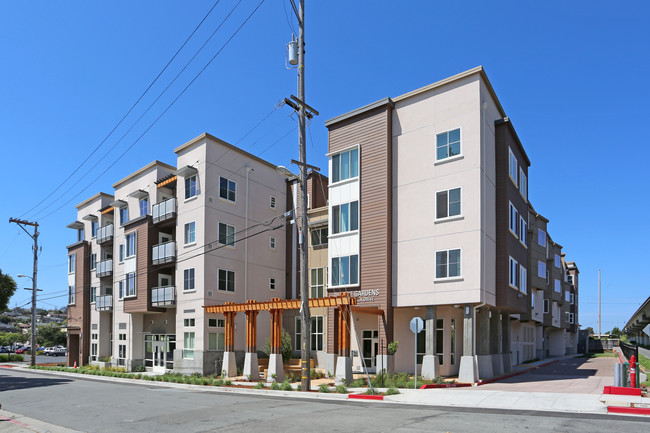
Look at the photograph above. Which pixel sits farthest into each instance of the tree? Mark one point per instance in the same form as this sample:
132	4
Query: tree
7	288
50	335
285	346
615	332
590	330
10	338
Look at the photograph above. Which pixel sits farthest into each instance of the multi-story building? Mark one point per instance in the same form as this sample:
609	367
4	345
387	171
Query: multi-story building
168	242
429	217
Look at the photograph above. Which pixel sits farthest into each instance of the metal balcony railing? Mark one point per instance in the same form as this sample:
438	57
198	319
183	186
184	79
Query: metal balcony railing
163	296
105	234
164	210
104	303
104	268
163	253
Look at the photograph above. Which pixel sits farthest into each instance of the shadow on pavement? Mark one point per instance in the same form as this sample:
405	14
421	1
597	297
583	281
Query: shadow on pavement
574	368
11	383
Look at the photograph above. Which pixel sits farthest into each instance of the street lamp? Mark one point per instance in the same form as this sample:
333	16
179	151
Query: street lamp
33	350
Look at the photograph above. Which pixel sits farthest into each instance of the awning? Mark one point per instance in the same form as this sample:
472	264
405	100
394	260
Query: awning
75	225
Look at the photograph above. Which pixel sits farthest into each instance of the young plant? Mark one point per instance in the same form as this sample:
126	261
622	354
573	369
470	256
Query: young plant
275	386
324	388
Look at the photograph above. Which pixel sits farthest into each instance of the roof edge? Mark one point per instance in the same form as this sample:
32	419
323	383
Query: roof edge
142	170
360	110
506	120
96	196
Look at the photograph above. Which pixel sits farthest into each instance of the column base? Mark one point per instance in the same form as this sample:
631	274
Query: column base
229	365
507	363
276	368
343	370
497	365
385	363
251	367
430	367
468	372
485	370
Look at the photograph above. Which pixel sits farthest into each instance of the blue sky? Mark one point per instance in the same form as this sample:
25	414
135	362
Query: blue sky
572	76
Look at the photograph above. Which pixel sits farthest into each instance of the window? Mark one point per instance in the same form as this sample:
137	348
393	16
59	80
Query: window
558	287
272	202
452	336
121	350
319	237
448	203
523	279
120	291
188	345
93	261
317	283
190	187
512	166
541	269
226	280
514	219
523	231
567	296
569	279
71	262
345	270
546	306
129	284
227	234
316	333
93	294
513	273
188	323
448	263
121	253
448	144
130	245
523	184
227	189
188	279
345	217
93	228
541	237
271	283
124	215
571	318
144	206
558	261
345	165
420	344
272	242
572	299
190	234
71	295
80	234
532	299
216	341
440	327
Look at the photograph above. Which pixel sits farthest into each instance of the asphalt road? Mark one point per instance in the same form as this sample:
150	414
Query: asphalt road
93	406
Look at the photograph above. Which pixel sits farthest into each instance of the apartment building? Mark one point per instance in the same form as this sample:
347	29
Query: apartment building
429	217
167	242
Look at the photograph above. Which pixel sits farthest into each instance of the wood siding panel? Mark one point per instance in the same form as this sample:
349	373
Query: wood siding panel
79	313
145	276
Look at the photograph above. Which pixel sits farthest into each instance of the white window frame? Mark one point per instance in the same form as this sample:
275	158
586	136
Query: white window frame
337	209
460	265
460	210
93	261
72	295
523	280
316	289
337	157
146	201
513	167
513	219
573	299
314	320
319	232
273	242
189	231
130	290
523	231
571	318
541	269
94	226
189	322
72	258
228	242
513	273
121	252
189	279
228	273
523	184
228	189
541	237
189	339
272	202
271	283
130	252
460	145
93	294
124	217
193	181
350	276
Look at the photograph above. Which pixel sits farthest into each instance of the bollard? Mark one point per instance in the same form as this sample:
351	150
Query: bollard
633	372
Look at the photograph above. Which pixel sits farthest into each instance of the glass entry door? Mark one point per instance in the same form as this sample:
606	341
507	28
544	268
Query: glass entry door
159	352
370	345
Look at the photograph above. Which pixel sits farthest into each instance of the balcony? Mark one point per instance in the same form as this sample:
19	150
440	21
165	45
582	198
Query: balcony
165	210
164	253
105	268
104	303
105	234
163	296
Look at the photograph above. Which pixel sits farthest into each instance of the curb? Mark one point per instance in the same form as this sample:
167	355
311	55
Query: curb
365	397
619	390
445	385
628	410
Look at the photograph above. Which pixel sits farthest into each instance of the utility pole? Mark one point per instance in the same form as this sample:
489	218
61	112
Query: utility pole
599	334
22	224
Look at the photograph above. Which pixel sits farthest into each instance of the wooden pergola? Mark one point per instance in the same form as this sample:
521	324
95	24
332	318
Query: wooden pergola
344	302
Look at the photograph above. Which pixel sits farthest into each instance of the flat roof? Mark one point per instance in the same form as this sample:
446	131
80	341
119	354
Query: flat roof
93	198
142	170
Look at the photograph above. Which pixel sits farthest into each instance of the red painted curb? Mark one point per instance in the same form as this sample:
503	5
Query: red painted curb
628	410
620	390
7	366
445	385
366	396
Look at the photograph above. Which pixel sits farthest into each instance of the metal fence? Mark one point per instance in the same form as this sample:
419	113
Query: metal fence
629	350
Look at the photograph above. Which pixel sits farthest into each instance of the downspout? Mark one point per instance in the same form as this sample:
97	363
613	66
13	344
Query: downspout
483	224
248	170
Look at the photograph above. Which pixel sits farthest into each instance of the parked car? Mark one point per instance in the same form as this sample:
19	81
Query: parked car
5	350
59	351
48	351
23	349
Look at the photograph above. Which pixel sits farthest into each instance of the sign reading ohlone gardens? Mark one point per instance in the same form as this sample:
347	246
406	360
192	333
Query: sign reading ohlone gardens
365	295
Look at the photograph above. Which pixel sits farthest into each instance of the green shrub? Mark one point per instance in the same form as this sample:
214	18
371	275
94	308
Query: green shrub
104	359
286	348
139	369
317	374
392	391
259	385
275	386
299	387
324	388
11	357
218	382
286	386
392	347
227	382
341	389
358	383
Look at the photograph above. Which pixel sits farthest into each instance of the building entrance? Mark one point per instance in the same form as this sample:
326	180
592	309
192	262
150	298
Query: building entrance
370	345
159	352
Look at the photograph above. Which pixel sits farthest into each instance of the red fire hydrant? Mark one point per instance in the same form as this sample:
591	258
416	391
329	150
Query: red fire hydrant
633	372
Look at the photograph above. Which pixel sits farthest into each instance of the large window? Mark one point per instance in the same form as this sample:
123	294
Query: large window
144	206
448	263
558	261
448	144
216	340
513	273
121	350
319	237
567	296
227	189
130	244
452	336
71	263
93	261
523	279
317	283
558	286
541	269
523	184
512	166
129	284
345	270
440	333
93	294
190	233
316	331
448	203
345	165
121	253
188	345
541	237
226	280
190	187
227	234
188	279
523	231
345	217
93	228
514	219
71	295
124	215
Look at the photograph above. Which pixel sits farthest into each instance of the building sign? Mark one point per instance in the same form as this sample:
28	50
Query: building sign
365	295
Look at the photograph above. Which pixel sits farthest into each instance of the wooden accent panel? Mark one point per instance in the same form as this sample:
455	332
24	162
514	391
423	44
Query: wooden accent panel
281	304
108	210
79	313
229	337
317	188
167	182
251	331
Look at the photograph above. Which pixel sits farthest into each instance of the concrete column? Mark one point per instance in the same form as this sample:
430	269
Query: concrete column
495	343
468	371
430	368
505	343
484	358
229	365
276	367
